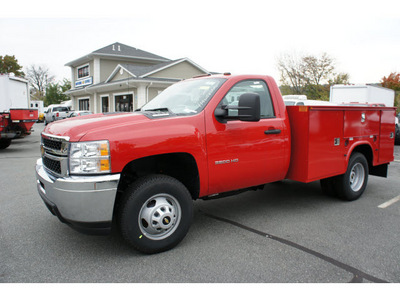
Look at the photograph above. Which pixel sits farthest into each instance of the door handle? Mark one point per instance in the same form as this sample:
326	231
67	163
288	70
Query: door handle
272	131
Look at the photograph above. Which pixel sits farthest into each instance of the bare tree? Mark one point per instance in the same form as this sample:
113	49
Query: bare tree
39	79
309	74
292	71
317	69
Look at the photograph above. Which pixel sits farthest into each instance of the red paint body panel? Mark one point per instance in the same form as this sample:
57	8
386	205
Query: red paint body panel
315	155
238	154
254	157
20	120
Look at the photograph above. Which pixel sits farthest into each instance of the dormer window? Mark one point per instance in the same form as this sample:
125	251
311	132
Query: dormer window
83	71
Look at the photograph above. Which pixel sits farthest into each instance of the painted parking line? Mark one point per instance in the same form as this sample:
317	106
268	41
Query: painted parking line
390	202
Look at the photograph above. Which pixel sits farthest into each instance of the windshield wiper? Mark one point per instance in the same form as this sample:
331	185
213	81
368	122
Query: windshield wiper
160	111
166	109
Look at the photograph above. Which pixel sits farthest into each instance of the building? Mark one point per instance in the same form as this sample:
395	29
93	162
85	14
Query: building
122	78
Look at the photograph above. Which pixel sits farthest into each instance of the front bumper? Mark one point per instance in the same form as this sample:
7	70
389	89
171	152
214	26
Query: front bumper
84	202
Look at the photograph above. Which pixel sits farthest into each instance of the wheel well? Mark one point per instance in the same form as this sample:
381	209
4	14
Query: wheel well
367	152
181	166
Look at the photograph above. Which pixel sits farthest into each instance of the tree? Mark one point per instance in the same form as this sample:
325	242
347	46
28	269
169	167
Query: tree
55	92
310	75
317	69
291	68
393	82
341	78
9	64
39	78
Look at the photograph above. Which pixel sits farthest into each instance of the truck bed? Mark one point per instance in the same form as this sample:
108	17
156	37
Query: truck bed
324	136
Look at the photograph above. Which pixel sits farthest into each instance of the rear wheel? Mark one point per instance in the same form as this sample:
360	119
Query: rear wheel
351	185
4	143
155	213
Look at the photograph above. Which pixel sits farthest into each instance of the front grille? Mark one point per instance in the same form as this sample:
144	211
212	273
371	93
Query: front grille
55	154
52	144
52	165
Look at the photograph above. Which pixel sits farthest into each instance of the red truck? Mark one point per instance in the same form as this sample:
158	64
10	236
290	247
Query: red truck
16	118
203	138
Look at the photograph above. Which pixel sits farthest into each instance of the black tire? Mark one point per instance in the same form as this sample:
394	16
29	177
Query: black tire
351	185
155	213
4	143
328	186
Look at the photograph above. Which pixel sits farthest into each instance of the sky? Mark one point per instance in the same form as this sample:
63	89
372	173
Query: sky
241	37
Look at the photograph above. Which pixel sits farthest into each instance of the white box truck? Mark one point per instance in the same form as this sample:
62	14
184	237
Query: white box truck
16	117
361	94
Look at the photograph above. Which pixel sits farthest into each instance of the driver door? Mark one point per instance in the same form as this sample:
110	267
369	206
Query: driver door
245	154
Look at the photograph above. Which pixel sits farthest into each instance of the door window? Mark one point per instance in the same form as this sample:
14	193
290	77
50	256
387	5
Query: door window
250	86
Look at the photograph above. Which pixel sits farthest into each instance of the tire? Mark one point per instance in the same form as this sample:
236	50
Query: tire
155	214
4	143
351	185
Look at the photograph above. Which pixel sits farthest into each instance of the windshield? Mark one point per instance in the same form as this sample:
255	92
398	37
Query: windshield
185	97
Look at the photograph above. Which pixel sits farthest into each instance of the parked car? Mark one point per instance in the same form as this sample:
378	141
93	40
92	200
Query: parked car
55	113
79	113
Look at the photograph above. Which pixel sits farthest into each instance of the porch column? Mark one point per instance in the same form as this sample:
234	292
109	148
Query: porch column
141	96
95	103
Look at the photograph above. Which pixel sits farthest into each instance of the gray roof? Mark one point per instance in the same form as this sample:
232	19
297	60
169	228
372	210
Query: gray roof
138	70
128	51
119	50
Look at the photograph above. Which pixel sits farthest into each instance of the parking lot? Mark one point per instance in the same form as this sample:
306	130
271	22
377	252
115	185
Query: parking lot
288	232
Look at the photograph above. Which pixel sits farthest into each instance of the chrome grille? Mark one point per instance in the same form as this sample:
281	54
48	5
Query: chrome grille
52	165
55	154
51	144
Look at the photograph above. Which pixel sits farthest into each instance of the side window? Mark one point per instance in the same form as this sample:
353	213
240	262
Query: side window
250	86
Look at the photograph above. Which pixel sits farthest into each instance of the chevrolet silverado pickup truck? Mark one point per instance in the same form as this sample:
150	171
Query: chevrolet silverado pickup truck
202	138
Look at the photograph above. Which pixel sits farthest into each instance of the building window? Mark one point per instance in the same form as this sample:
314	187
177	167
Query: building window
83	71
124	103
104	104
83	104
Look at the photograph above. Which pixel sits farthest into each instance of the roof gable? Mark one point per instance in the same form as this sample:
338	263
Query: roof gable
119	49
140	71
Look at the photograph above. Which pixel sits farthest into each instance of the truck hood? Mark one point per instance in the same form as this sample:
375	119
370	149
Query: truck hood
76	128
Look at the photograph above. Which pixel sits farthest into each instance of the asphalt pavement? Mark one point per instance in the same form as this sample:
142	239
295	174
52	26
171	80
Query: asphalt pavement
288	232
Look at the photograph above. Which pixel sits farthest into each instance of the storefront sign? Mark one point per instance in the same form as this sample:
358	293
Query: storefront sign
83	82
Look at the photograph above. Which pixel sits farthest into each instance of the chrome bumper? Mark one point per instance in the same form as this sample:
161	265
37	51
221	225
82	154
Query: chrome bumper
78	199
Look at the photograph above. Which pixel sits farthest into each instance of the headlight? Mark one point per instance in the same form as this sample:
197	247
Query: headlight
89	158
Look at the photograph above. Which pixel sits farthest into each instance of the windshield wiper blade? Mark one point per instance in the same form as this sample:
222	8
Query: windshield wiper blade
161	109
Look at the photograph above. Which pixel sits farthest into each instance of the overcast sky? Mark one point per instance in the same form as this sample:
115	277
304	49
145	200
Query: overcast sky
224	36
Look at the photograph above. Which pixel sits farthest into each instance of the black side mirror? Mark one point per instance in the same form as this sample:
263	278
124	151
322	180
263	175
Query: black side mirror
248	109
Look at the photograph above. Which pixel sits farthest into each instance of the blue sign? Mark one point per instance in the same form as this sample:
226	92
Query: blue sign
83	82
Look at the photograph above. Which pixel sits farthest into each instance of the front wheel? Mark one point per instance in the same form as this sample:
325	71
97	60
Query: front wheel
155	213
351	185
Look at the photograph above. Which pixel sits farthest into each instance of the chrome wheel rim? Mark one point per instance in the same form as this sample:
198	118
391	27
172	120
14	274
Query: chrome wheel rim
357	177
159	216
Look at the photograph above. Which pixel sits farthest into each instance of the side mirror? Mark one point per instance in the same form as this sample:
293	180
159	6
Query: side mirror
248	109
